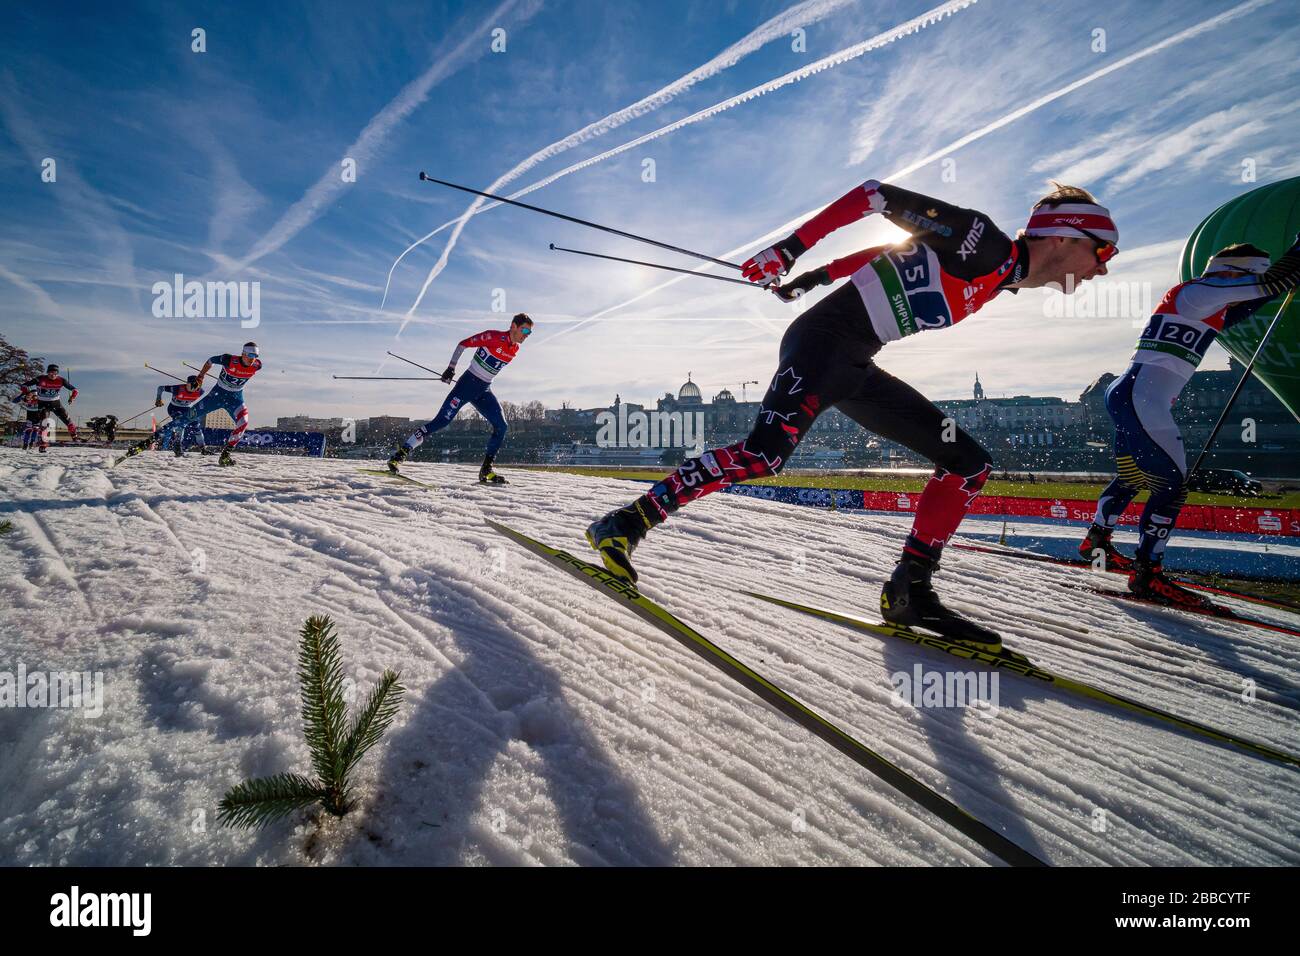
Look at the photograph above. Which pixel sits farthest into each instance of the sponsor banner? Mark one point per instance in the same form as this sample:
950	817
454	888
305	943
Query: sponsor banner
313	443
1265	521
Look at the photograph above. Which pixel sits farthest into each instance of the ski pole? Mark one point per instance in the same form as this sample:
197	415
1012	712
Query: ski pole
134	417
386	378
418	365
168	374
1240	383
655	265
424	177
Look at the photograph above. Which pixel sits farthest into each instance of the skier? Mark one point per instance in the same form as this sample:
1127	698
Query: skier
228	394
955	262
1148	446
48	388
180	411
34	427
494	350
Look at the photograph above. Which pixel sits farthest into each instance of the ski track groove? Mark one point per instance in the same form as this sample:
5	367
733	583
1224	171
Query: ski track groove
412	579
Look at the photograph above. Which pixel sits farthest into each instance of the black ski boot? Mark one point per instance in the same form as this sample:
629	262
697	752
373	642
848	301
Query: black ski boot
396	458
487	476
616	536
1098	538
226	458
1148	581
908	599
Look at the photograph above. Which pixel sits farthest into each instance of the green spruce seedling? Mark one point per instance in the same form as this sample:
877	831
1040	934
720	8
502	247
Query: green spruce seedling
336	747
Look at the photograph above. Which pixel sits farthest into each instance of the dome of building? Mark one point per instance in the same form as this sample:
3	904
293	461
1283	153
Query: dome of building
690	392
724	396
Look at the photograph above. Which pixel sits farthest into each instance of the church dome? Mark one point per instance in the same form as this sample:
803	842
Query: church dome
690	392
724	396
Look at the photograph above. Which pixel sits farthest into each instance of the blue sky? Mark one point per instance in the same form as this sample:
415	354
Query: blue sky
225	166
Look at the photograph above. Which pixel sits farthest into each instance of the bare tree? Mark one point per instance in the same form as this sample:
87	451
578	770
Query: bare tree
534	411
16	367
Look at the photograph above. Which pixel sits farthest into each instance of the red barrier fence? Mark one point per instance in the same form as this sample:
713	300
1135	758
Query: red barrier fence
1279	521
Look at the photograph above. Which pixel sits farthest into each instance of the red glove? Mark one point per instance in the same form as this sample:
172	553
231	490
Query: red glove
773	262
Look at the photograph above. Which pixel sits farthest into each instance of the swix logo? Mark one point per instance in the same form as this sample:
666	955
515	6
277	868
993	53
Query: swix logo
1068	220
967	247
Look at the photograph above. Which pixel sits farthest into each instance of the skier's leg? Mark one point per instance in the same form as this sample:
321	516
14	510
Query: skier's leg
894	410
490	409
1124	487
466	390
1162	460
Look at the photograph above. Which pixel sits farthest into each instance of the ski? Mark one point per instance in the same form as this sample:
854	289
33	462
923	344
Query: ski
627	596
1209	610
396	476
1018	664
1082	564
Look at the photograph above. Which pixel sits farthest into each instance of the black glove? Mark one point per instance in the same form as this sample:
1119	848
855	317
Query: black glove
450	374
797	286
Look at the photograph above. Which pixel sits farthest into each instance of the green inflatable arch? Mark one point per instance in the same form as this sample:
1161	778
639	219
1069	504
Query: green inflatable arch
1268	216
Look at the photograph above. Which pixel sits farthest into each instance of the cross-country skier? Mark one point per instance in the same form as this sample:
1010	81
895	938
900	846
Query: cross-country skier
955	262
34	427
1148	446
228	393
49	387
493	351
180	412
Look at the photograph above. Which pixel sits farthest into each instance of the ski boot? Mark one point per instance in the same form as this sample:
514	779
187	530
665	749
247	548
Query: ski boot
396	459
1148	581
72	433
486	476
226	458
42	448
1098	538
205	450
908	600
616	536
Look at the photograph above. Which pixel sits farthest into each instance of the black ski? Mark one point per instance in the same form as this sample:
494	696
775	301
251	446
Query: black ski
627	596
1009	661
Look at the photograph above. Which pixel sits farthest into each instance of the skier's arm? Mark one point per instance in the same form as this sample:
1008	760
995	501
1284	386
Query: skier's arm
825	275
776	260
215	360
157	400
1208	294
71	388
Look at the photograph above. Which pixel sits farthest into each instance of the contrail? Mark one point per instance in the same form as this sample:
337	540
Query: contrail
799	15
785	229
833	60
372	138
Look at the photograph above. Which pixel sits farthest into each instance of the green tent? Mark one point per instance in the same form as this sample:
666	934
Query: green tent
1268	216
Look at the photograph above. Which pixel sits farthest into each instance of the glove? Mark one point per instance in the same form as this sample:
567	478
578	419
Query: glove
774	261
801	284
450	374
157	403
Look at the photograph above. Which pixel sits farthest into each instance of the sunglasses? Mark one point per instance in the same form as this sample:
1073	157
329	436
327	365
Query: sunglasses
525	330
1105	250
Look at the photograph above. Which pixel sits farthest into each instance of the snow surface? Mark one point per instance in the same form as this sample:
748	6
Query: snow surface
543	724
